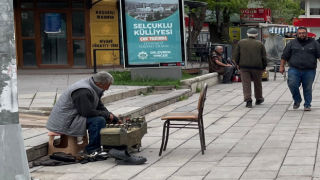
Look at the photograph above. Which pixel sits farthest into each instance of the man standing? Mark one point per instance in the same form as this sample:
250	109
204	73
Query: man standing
250	57
80	108
302	54
217	62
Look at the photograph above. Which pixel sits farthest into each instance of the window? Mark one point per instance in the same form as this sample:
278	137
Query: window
314	7
303	6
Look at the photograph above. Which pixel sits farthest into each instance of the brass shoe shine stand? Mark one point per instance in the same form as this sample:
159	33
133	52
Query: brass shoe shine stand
125	136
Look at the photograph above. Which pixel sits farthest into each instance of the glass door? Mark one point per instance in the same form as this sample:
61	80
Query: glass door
54	37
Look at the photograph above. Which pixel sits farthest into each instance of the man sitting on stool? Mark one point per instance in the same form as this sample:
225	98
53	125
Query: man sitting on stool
80	108
217	59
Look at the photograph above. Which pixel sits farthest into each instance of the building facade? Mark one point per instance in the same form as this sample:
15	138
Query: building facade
311	18
67	33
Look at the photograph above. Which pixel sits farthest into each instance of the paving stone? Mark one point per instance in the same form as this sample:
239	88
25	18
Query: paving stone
235	161
156	173
195	169
259	175
268	159
225	172
309	146
300	161
289	171
115	172
25	96
174	177
301	153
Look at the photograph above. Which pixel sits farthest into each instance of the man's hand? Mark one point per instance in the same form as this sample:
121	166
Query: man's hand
281	69
264	70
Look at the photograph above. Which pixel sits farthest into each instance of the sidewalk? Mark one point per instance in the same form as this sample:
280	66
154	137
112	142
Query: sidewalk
270	141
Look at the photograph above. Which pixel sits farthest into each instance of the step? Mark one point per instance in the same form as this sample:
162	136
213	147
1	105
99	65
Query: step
108	97
36	139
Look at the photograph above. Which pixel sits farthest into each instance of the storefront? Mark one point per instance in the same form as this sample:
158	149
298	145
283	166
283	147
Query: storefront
67	33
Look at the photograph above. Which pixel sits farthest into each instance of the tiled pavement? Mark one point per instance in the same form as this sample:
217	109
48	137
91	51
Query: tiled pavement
268	142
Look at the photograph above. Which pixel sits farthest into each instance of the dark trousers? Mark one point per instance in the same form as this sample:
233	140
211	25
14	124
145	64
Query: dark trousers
228	75
247	75
94	125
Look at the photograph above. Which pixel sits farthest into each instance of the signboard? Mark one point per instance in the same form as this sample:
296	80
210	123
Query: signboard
255	15
153	33
52	22
104	24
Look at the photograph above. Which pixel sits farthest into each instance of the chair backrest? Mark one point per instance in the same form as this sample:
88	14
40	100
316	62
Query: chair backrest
202	98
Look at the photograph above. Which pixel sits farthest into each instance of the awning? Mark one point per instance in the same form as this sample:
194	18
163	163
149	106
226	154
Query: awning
282	30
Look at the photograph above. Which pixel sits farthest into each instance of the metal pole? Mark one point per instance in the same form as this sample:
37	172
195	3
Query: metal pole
94	62
189	31
13	158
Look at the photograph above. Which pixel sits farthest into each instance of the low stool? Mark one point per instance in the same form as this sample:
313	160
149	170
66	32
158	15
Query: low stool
67	144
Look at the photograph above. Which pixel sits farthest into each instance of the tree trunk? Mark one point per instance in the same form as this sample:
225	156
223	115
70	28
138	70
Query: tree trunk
215	36
225	26
197	24
218	18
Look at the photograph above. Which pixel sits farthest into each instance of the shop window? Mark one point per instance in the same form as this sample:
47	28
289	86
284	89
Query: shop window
78	24
27	23
26	5
314	7
77	4
52	5
79	53
29	53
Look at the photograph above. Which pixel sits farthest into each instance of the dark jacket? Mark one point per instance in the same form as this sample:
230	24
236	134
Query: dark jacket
251	54
215	56
302	58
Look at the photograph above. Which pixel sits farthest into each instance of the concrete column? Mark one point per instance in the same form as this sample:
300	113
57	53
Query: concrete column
13	158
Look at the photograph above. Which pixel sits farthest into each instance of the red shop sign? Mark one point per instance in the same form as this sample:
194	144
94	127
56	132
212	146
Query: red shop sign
255	14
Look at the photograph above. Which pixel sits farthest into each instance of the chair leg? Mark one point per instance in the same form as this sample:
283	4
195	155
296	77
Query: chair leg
167	135
204	139
163	134
201	137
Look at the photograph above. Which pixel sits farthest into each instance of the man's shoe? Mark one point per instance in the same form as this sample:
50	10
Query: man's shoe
296	105
249	104
307	108
258	102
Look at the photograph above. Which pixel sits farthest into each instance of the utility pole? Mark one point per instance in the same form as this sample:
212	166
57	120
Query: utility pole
13	158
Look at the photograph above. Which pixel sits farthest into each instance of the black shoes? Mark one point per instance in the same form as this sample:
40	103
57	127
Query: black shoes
296	105
258	102
249	104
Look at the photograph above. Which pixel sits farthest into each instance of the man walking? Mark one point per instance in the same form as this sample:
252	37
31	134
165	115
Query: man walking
217	63
302	54
250	57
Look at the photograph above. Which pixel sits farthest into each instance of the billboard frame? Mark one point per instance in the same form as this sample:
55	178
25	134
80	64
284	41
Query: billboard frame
155	65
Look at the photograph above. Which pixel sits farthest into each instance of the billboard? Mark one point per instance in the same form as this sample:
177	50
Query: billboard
153	33
255	15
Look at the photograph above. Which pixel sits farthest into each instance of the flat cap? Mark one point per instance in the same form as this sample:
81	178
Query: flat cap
252	31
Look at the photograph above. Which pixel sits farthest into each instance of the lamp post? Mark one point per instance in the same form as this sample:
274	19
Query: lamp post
13	158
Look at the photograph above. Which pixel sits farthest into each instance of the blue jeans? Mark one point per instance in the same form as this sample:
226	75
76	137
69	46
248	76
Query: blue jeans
295	78
94	125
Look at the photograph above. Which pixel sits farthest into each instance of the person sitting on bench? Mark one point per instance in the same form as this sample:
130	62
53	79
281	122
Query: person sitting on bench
220	65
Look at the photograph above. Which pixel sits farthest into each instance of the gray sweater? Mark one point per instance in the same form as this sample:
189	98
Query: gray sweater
302	57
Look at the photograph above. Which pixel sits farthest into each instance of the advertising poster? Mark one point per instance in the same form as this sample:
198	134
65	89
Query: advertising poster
104	26
153	32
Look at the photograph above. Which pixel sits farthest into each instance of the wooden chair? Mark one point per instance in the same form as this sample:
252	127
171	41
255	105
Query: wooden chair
190	117
68	144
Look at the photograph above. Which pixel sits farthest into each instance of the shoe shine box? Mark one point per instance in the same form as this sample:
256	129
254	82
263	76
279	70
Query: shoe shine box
128	134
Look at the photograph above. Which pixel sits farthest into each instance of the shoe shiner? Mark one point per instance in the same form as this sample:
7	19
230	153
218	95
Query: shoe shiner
80	108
